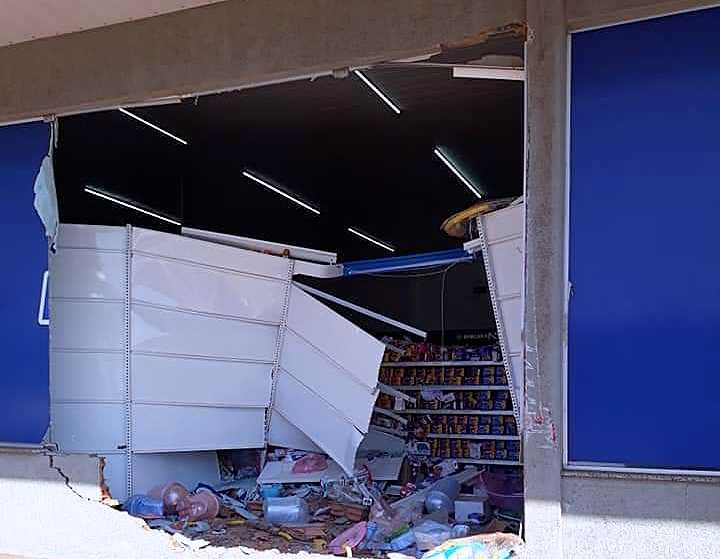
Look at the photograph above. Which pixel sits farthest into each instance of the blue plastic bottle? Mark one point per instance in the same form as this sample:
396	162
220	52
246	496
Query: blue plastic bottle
144	506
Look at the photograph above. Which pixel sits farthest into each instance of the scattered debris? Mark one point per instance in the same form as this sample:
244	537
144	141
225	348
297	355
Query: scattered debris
410	513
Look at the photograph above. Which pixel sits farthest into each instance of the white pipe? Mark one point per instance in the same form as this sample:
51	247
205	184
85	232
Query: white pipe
361	310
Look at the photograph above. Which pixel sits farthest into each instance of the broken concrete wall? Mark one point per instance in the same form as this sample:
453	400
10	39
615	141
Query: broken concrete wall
51	508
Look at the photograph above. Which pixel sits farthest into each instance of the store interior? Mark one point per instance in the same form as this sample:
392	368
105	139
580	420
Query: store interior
367	165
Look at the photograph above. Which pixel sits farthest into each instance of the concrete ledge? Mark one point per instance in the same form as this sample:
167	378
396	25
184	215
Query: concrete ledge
228	45
638	476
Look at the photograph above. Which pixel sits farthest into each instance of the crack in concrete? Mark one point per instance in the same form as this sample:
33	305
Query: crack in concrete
66	478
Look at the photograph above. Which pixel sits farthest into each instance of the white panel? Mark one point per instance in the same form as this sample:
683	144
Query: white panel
511	310
88	427
92	236
199	381
23	20
188	468
328	380
349	346
87	273
93	325
507	258
211	254
281	472
318	420
163	331
175	428
115	474
87	376
504	223
186	286
285	434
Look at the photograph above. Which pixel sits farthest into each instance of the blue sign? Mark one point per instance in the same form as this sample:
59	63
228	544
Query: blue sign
24	400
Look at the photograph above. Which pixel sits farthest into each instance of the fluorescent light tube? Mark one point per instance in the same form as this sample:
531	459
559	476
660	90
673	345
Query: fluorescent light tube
370	239
153	126
489	73
377	91
280	192
471	187
131	206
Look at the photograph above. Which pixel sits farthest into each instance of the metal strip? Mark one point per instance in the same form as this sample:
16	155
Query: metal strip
279	342
128	376
362	310
490	274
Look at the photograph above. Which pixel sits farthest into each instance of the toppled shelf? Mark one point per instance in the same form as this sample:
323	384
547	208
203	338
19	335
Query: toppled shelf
442	364
455	387
456	412
465	436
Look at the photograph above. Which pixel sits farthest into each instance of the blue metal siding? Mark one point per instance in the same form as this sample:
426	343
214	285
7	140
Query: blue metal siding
23	343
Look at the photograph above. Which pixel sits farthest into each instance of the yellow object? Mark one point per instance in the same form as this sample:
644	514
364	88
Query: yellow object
285	535
320	544
238	522
455	225
348	551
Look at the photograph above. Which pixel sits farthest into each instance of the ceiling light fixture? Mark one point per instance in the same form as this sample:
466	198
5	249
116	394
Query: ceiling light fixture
489	73
131	206
457	173
153	126
377	91
370	239
276	190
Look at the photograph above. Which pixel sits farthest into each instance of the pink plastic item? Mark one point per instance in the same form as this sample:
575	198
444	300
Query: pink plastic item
170	494
310	463
349	538
203	505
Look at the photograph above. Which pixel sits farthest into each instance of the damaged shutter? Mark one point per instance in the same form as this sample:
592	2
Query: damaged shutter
502	238
326	381
164	344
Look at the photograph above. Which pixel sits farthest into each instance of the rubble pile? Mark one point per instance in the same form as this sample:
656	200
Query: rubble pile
301	501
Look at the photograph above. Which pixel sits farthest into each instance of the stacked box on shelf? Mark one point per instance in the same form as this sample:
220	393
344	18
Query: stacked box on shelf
466	425
446	375
494	450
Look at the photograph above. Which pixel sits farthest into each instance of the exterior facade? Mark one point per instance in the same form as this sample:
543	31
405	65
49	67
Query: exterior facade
570	512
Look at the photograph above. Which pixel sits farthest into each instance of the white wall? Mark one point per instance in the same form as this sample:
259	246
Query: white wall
639	518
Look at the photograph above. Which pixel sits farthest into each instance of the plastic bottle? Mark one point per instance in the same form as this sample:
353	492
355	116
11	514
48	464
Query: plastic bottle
170	494
442	496
403	541
144	506
203	505
285	510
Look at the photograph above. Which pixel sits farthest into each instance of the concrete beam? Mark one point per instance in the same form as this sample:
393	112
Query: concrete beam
582	14
544	288
228	45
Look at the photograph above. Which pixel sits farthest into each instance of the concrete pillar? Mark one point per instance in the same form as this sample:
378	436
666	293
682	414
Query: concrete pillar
544	302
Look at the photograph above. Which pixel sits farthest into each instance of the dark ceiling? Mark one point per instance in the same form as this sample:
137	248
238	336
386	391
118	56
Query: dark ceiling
331	141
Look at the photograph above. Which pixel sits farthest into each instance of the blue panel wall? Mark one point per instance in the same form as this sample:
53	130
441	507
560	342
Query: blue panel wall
644	331
23	343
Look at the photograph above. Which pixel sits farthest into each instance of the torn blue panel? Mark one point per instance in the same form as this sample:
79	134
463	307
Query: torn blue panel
23	343
410	262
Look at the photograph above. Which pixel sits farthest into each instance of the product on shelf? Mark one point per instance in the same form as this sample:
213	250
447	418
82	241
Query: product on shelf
425	352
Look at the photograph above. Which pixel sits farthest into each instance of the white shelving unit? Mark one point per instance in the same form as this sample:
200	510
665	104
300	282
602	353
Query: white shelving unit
473	437
413	389
421	364
488	462
452	387
455	412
